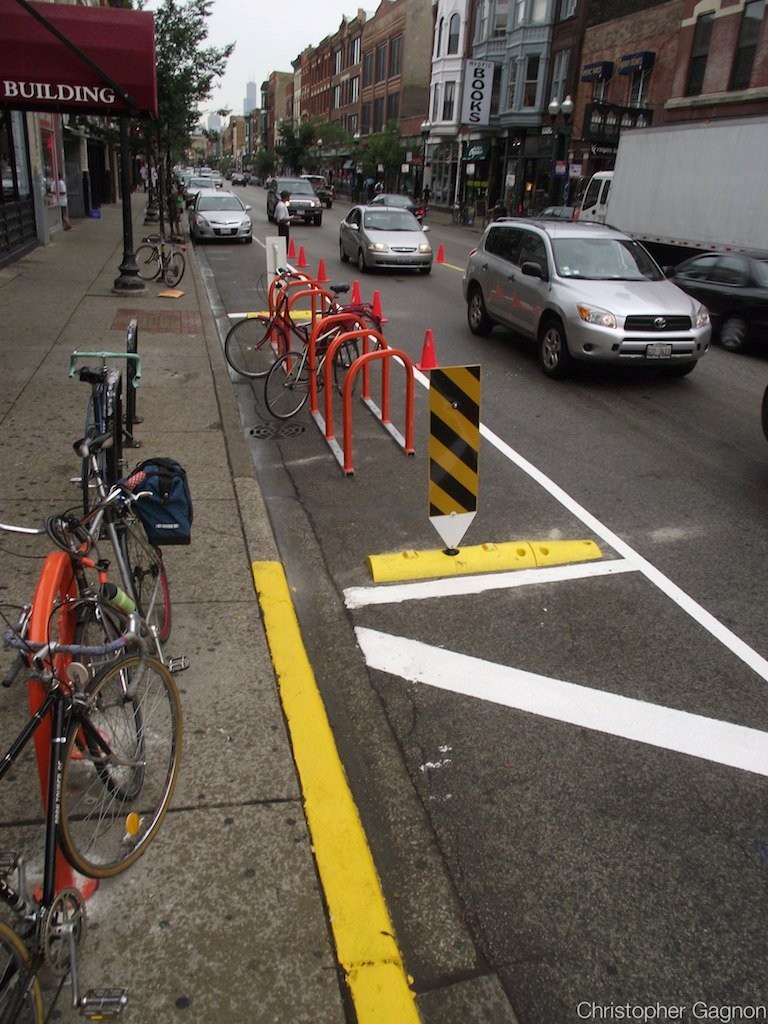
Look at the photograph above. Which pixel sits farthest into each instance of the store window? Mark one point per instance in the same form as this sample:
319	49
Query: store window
51	169
744	58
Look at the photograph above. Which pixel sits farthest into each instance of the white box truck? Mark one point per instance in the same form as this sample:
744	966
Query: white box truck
698	186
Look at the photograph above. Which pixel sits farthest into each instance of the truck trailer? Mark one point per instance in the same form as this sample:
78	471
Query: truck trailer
681	189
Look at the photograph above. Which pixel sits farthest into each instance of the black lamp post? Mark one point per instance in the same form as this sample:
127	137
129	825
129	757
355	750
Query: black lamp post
424	129
561	128
319	145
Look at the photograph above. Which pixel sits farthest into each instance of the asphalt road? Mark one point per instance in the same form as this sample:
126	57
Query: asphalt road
562	776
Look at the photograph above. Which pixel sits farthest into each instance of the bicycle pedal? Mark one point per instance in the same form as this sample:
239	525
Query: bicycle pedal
103	1003
8	863
179	664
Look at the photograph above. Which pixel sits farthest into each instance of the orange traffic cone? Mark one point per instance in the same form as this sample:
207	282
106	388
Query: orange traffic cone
291	251
321	275
302	258
356	292
428	360
376	308
440	258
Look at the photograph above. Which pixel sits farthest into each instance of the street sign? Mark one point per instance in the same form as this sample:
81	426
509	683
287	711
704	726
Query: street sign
454	445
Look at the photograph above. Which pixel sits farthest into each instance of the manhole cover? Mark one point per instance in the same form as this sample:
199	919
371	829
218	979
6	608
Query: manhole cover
276	431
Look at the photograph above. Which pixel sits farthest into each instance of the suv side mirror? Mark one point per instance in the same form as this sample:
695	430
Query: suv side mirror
530	269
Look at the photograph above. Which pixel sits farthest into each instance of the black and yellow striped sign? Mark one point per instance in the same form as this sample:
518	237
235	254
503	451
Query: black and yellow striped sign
454	446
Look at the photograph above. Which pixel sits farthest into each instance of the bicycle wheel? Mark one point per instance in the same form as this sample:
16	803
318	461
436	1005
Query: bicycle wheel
174	269
17	1006
287	386
148	578
96	624
121	762
148	262
345	355
253	344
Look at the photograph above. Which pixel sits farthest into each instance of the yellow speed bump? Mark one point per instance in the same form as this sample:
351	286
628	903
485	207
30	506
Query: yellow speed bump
516	554
366	945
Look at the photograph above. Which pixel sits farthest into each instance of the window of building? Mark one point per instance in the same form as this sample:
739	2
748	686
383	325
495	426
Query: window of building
395	56
439	47
393	107
454	27
600	90
702	36
355	55
378	115
539	12
638	88
500	18
449	98
530	88
482	20
368	68
436	103
519	13
336	97
337	62
354	89
744	58
365	118
560	74
511	84
567	8
352	124
381	62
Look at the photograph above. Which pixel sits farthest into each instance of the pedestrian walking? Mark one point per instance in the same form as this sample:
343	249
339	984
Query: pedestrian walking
283	216
61	199
426	195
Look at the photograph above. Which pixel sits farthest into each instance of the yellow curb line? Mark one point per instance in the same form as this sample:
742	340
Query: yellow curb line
518	554
366	946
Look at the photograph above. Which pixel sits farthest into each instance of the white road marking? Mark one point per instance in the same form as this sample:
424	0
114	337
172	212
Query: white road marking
724	743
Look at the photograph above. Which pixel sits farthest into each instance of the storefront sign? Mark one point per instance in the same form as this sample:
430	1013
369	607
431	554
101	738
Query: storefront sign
478	85
109	68
631	62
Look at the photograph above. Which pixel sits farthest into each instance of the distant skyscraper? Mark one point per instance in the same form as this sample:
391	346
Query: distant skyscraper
214	123
251	98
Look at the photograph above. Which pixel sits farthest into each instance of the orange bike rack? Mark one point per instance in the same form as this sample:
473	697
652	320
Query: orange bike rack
281	286
55	589
383	354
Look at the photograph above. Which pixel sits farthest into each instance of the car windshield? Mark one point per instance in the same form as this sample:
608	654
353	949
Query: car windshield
391	220
219	203
392	200
296	188
200	183
604	259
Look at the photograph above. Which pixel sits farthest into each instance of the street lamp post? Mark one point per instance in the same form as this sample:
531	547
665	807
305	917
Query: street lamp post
424	129
319	145
561	127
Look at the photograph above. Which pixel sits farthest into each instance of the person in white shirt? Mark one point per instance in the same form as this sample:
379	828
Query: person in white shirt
283	216
61	199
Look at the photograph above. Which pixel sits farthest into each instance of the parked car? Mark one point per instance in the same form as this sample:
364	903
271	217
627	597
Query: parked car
325	192
303	200
418	209
559	212
240	178
585	293
217	214
384	236
194	185
734	288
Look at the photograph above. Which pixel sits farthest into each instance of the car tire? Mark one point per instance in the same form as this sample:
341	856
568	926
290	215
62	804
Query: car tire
328	205
318	220
342	255
764	413
555	358
477	315
734	334
248	240
361	266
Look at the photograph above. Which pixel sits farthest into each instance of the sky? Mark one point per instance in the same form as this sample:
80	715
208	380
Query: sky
268	36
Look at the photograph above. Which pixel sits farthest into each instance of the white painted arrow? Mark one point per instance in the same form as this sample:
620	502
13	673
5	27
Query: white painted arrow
722	742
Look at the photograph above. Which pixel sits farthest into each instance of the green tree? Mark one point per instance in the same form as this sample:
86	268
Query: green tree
386	149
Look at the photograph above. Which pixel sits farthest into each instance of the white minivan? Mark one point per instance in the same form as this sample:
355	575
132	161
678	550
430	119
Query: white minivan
594	205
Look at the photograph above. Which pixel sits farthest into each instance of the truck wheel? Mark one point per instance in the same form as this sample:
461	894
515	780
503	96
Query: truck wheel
477	315
734	334
554	358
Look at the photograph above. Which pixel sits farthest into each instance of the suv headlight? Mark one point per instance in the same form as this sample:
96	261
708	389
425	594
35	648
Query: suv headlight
594	315
701	318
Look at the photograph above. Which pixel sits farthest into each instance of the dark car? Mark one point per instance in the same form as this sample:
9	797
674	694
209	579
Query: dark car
416	207
240	178
734	288
303	202
325	192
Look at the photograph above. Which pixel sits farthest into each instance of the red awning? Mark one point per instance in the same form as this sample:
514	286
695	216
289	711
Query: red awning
40	72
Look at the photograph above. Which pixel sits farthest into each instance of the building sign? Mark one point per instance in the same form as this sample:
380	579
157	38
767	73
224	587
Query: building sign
87	60
478	86
631	62
599	71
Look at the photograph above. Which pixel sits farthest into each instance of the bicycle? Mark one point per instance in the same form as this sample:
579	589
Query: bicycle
253	344
113	732
287	386
159	257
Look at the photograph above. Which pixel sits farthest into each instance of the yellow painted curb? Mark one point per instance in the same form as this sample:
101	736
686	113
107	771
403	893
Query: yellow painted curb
366	946
518	554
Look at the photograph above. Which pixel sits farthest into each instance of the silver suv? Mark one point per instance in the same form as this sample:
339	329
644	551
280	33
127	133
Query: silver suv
586	294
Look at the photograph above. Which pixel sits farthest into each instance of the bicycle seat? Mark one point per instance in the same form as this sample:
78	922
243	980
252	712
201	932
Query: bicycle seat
339	289
92	443
93	374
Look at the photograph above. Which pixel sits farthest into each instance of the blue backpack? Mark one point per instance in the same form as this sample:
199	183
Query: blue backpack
167	511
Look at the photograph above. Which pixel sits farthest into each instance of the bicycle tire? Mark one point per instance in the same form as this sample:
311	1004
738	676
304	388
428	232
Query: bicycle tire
345	355
148	578
148	262
15	967
252	345
287	386
121	762
174	269
96	624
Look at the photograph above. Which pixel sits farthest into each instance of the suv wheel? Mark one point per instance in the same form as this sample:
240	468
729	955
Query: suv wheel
554	357
733	334
477	315
318	220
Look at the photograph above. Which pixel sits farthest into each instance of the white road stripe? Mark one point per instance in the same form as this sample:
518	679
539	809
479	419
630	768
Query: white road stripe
360	597
709	739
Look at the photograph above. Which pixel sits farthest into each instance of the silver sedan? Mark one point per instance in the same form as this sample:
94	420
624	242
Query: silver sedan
216	214
384	237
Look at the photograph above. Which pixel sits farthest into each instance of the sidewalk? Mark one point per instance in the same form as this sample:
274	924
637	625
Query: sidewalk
222	921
